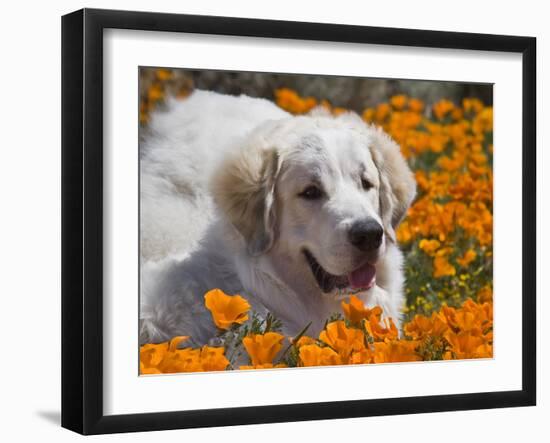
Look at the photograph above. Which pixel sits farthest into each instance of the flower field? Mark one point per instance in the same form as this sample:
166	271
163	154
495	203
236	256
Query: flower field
446	238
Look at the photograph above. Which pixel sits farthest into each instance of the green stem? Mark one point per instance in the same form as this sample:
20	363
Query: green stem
293	342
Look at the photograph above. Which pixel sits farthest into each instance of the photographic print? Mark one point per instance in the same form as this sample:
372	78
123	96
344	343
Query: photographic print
291	220
281	220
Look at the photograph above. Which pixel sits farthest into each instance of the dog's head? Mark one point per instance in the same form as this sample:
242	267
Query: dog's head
320	197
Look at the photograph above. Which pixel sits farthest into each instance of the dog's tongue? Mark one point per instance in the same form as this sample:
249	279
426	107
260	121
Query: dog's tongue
364	277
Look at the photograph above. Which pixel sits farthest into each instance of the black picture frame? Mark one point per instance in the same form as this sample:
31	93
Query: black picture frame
82	220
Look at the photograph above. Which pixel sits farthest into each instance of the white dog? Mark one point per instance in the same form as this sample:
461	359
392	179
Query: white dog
292	212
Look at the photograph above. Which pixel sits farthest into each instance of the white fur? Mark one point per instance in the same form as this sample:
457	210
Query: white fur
219	209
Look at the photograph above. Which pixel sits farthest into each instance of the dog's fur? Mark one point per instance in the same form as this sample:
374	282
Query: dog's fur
223	206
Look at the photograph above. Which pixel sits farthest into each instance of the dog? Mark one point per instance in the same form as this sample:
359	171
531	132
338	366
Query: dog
294	213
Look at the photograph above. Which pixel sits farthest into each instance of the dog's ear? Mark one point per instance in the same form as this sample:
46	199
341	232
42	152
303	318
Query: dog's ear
244	189
397	183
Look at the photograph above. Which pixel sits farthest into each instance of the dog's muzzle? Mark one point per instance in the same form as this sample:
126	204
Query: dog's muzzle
362	278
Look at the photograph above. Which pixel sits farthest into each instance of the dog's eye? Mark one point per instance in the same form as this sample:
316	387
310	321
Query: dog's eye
366	184
311	193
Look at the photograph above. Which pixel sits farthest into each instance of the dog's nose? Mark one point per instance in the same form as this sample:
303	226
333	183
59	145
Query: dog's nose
366	235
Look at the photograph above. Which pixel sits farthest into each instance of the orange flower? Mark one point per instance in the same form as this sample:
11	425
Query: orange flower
183	360
472	317
483	122
479	158
342	339
174	343
355	310
429	246
398	101
304	340
457	114
421	180
483	312
438	142
315	355
167	358
155	93
148	370
226	309
368	115
395	351
472	105
451	164
485	294
467	258
442	108
339	111
421	327
361	357
467	345
411	120
143	112
404	234
477	170
382	111
290	101
213	359
262	349
416	105
164	74
442	267
151	355
381	330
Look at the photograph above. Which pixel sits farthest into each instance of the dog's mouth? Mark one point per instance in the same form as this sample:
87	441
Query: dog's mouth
360	279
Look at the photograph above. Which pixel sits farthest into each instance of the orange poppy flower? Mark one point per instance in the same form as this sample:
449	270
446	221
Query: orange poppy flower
421	327
164	74
483	121
175	342
472	105
483	312
475	319
381	112
416	105
155	93
467	258
290	101
304	340
184	360
226	309
355	310
398	101
368	115
342	339
485	294
361	357
315	355
381	330
429	246
147	370
442	108
213	359
151	355
167	358
442	267
395	351
467	345
262	349
404	233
